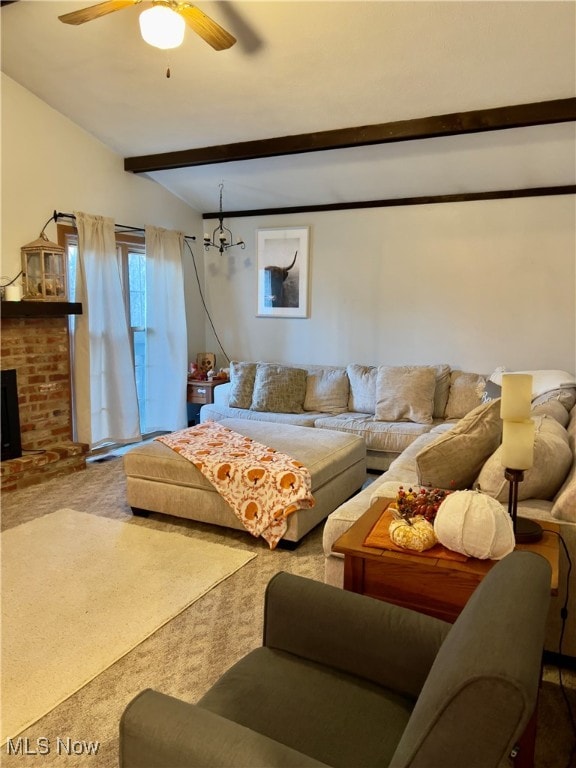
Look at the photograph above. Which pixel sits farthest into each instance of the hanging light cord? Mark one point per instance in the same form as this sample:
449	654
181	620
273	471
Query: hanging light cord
204	303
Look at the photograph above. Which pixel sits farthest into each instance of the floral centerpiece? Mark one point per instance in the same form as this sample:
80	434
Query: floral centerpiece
414	513
424	503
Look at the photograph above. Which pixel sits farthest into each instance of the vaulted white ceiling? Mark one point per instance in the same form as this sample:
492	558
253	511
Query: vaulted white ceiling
301	67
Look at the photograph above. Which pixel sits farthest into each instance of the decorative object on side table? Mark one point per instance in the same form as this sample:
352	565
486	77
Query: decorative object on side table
474	524
518	447
414	513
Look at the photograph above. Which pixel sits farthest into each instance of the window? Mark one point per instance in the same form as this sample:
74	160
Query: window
132	264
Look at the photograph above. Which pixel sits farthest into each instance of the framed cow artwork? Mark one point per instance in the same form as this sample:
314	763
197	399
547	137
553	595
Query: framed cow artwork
283	265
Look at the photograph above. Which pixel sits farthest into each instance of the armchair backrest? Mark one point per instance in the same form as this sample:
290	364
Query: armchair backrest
482	688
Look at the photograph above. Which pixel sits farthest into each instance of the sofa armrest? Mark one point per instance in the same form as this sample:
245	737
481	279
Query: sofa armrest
222	394
391	646
159	730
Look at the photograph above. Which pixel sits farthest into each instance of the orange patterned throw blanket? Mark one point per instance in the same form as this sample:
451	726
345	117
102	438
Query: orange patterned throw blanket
261	485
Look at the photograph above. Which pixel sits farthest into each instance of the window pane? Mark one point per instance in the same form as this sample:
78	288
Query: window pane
72	261
137	281
139	338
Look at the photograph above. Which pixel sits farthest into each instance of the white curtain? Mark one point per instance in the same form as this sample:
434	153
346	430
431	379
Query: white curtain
166	333
106	405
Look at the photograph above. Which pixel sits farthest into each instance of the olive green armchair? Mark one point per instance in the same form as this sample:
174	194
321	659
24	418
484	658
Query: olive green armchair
348	681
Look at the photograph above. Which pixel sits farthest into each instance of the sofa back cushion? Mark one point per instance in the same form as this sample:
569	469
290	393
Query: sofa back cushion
242	377
405	393
279	389
466	391
454	459
552	460
327	390
565	501
362	388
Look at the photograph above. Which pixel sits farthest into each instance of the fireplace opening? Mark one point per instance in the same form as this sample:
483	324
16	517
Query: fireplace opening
11	440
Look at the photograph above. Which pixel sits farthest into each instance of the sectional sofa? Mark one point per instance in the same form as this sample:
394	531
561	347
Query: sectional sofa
424	425
388	406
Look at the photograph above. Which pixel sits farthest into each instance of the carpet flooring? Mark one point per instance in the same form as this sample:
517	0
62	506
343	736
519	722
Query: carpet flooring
189	653
70	612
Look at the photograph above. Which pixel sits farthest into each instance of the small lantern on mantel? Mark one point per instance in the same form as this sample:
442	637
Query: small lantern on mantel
44	273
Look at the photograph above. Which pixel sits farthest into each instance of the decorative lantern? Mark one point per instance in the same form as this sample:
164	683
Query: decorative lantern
44	273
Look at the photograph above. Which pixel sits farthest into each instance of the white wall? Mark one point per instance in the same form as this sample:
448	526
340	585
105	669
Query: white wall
49	163
476	285
473	284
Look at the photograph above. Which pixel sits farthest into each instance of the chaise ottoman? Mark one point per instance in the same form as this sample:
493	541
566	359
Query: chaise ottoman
160	480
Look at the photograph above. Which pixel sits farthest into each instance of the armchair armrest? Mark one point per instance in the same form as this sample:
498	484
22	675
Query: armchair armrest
159	731
392	646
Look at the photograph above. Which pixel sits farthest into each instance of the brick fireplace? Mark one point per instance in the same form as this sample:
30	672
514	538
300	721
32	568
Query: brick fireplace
35	343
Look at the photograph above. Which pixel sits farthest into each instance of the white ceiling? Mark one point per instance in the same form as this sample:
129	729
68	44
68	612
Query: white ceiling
302	67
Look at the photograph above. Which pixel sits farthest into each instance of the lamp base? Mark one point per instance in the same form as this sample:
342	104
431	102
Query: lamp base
526	531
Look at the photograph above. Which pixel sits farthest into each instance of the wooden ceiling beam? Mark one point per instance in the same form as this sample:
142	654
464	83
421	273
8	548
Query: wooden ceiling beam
456	123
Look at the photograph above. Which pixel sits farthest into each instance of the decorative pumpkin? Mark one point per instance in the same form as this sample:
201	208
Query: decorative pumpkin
416	533
474	524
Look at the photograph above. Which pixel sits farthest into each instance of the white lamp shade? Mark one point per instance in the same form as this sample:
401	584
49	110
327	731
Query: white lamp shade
162	27
518	444
516	396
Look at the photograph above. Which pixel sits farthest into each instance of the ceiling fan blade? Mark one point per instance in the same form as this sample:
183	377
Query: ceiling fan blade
208	29
94	11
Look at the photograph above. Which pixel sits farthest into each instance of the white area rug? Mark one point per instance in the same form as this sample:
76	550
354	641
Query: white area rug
79	591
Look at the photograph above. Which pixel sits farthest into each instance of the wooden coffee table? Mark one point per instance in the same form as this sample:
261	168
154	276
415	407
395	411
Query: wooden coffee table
434	586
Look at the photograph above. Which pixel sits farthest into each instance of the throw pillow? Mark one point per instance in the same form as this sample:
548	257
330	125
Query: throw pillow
242	377
455	458
542	381
442	389
567	397
405	393
327	391
552	460
491	391
362	388
565	501
279	389
464	394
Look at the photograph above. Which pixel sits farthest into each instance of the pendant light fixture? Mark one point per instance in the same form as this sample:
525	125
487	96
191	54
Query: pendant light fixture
222	237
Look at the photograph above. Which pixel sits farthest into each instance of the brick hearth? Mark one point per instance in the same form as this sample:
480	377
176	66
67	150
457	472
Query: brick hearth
38	348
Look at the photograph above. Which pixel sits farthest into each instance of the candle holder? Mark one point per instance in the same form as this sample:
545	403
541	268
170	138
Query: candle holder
525	530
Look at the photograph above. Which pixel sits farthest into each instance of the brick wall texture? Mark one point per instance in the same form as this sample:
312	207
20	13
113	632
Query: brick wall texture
38	349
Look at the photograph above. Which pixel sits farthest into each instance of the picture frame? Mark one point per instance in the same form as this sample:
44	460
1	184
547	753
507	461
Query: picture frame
283	267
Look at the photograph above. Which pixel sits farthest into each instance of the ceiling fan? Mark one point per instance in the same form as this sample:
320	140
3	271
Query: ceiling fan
171	12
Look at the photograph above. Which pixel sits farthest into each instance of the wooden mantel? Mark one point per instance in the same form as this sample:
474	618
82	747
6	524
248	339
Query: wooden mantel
12	309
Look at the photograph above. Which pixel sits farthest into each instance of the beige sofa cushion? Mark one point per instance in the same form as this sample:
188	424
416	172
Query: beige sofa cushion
565	501
362	388
454	459
405	393
327	391
279	389
552	460
242	377
466	390
382	436
442	389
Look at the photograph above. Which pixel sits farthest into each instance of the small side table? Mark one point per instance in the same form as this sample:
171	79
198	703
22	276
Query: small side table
200	393
440	588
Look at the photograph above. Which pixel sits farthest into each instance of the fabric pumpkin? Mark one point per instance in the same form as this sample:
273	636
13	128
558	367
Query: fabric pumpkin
418	534
474	524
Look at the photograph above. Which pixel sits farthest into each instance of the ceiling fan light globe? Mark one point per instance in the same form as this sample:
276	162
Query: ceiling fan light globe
162	27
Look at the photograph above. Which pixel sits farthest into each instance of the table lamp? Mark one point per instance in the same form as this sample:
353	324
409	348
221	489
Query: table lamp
518	447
